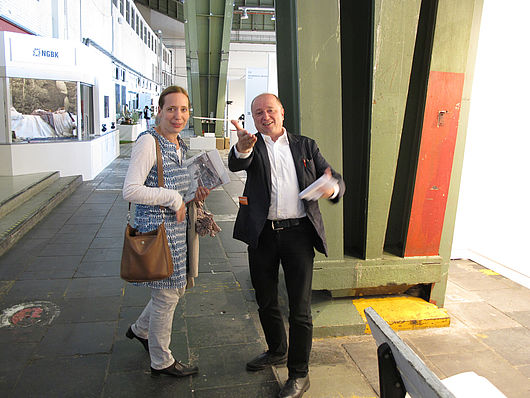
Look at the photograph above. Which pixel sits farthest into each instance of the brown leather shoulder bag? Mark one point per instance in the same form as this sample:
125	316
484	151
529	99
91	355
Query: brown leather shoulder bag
146	256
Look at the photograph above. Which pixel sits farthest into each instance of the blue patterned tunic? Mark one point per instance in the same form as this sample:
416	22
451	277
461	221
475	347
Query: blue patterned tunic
148	218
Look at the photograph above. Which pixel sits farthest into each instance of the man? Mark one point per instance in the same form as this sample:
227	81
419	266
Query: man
242	120
279	227
147	116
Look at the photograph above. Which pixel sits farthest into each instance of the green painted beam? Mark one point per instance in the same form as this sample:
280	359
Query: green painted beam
256	21
172	8
320	90
395	24
223	69
287	63
207	48
351	273
192	64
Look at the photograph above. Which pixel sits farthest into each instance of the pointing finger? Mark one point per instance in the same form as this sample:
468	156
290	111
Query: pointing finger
236	125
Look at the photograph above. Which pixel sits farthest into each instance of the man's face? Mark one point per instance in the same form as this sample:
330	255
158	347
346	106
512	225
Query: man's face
268	115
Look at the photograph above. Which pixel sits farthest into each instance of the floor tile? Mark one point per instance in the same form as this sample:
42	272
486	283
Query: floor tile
480	316
507	300
522	317
230	329
225	366
215	303
261	390
488	364
29	290
97	269
63	377
77	339
140	383
512	344
92	309
95	287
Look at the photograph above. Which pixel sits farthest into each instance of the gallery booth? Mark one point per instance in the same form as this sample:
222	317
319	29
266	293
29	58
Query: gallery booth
54	104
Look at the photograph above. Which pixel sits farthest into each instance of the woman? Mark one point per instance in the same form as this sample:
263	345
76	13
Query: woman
154	205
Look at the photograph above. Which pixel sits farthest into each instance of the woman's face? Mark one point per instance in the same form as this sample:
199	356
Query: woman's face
174	114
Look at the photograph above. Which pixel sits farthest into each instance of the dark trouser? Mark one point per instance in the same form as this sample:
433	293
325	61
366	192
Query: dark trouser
293	247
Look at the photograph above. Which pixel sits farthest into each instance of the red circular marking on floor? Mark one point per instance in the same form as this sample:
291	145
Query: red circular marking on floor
26	316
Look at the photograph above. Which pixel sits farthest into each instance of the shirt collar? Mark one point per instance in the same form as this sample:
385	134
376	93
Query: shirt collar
283	139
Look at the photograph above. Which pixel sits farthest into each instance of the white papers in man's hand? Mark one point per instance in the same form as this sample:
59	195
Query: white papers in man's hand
205	169
315	190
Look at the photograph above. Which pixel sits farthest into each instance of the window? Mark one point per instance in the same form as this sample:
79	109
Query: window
115	2
142	30
132	18
137	25
106	99
145	34
128	12
57	97
121	7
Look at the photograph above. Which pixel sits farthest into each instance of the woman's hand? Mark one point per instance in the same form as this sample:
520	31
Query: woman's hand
201	194
181	213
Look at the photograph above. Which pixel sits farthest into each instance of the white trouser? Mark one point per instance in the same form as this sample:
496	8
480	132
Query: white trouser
155	323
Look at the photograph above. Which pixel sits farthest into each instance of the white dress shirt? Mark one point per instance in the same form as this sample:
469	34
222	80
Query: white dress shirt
285	202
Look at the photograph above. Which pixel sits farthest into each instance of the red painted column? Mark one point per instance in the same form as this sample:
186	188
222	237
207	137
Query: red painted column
437	146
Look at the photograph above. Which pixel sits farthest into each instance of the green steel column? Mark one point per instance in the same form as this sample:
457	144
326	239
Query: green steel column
287	62
394	35
192	63
320	99
223	67
207	46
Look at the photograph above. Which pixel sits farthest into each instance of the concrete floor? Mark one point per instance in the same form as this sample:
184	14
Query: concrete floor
67	267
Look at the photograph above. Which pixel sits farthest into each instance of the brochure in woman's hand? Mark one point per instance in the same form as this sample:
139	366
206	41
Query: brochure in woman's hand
205	169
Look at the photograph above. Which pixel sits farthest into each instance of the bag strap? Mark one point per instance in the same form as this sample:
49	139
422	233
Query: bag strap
159	172
159	164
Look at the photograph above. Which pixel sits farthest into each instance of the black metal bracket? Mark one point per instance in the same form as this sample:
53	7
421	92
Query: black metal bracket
390	382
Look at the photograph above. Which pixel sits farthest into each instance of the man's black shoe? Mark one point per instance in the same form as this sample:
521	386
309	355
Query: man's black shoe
294	387
266	360
130	334
177	369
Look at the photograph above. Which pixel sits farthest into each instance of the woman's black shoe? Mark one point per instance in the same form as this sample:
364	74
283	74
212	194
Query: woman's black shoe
130	334
177	369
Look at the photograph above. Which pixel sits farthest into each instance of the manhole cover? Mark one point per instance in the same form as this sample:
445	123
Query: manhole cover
29	314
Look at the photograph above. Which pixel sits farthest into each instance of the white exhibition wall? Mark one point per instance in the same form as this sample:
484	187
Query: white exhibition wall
493	217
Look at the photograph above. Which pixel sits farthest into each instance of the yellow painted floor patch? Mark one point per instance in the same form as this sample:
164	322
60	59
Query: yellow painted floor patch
404	312
486	271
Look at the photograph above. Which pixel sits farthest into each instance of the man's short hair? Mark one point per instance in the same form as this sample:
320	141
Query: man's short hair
260	95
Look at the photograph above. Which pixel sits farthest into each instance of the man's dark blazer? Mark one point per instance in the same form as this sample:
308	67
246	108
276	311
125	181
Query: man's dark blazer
309	164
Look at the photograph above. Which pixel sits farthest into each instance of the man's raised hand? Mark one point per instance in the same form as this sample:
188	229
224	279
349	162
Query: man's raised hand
245	140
